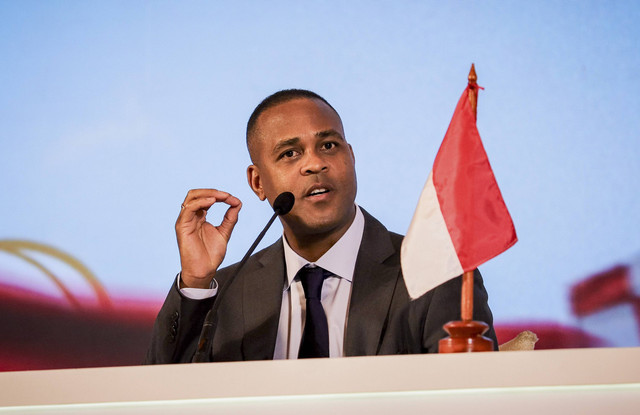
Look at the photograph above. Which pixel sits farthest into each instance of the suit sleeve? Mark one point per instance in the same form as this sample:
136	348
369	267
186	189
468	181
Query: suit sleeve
177	328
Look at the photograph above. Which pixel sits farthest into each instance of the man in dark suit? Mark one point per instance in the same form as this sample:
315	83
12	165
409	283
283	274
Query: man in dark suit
296	142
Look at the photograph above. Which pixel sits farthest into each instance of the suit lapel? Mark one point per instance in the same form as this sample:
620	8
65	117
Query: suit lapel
262	299
374	282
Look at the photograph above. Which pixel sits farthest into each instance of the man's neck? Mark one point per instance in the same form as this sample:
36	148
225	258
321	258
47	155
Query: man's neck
312	246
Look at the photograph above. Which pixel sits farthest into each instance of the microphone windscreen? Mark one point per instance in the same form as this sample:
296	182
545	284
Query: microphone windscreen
283	203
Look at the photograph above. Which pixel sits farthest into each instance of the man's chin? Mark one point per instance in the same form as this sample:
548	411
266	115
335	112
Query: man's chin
318	226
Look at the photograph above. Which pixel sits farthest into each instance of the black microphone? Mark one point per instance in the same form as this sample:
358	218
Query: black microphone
281	206
283	203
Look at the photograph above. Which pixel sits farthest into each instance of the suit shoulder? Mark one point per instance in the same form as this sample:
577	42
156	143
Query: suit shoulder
396	238
376	225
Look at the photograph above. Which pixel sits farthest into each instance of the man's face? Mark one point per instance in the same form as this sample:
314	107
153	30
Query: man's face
299	146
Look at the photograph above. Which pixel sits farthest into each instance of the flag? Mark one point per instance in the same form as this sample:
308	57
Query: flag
607	304
461	220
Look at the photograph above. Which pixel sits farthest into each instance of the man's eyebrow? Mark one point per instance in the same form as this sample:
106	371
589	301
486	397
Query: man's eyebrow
295	140
286	143
329	133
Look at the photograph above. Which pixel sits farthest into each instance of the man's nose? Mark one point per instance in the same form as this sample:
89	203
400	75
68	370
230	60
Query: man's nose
313	163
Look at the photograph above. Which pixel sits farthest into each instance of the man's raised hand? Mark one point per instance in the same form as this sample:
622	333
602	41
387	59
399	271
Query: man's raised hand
203	246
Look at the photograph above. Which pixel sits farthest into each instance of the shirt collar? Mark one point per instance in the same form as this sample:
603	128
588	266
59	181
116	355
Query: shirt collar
340	259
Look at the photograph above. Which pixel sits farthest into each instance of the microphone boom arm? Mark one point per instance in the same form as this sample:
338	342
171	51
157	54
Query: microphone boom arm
281	206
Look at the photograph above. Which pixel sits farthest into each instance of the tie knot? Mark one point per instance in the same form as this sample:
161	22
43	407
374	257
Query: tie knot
312	279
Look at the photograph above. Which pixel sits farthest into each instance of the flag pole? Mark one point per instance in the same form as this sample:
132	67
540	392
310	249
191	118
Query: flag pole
466	301
466	335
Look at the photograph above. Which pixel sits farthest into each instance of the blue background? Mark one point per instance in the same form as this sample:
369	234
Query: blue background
111	111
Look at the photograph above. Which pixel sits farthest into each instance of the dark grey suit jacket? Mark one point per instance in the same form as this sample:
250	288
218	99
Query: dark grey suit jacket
381	319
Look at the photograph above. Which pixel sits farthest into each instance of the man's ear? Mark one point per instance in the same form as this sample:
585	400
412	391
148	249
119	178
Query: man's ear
255	181
353	157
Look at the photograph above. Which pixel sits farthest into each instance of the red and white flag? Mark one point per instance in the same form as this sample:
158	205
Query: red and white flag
461	220
607	304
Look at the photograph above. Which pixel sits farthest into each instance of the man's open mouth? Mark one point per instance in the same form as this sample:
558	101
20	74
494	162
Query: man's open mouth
319	191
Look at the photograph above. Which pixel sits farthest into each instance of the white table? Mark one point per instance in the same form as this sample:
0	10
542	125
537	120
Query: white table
577	381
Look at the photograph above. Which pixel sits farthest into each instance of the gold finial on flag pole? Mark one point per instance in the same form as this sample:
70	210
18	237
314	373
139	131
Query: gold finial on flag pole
473	90
473	78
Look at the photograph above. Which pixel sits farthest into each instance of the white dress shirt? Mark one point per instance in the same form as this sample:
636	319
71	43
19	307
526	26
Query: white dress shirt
340	260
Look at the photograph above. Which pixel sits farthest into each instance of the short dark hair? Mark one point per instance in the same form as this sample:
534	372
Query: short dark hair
278	98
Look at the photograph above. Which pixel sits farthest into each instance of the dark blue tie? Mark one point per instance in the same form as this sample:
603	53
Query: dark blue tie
315	338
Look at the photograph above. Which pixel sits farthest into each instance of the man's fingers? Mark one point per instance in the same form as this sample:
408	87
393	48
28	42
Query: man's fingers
232	201
198	199
195	194
230	219
189	209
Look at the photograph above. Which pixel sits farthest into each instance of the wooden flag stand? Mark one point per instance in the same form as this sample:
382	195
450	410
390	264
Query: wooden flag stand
467	335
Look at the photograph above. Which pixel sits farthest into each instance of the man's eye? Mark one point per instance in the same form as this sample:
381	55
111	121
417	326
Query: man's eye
329	145
288	154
